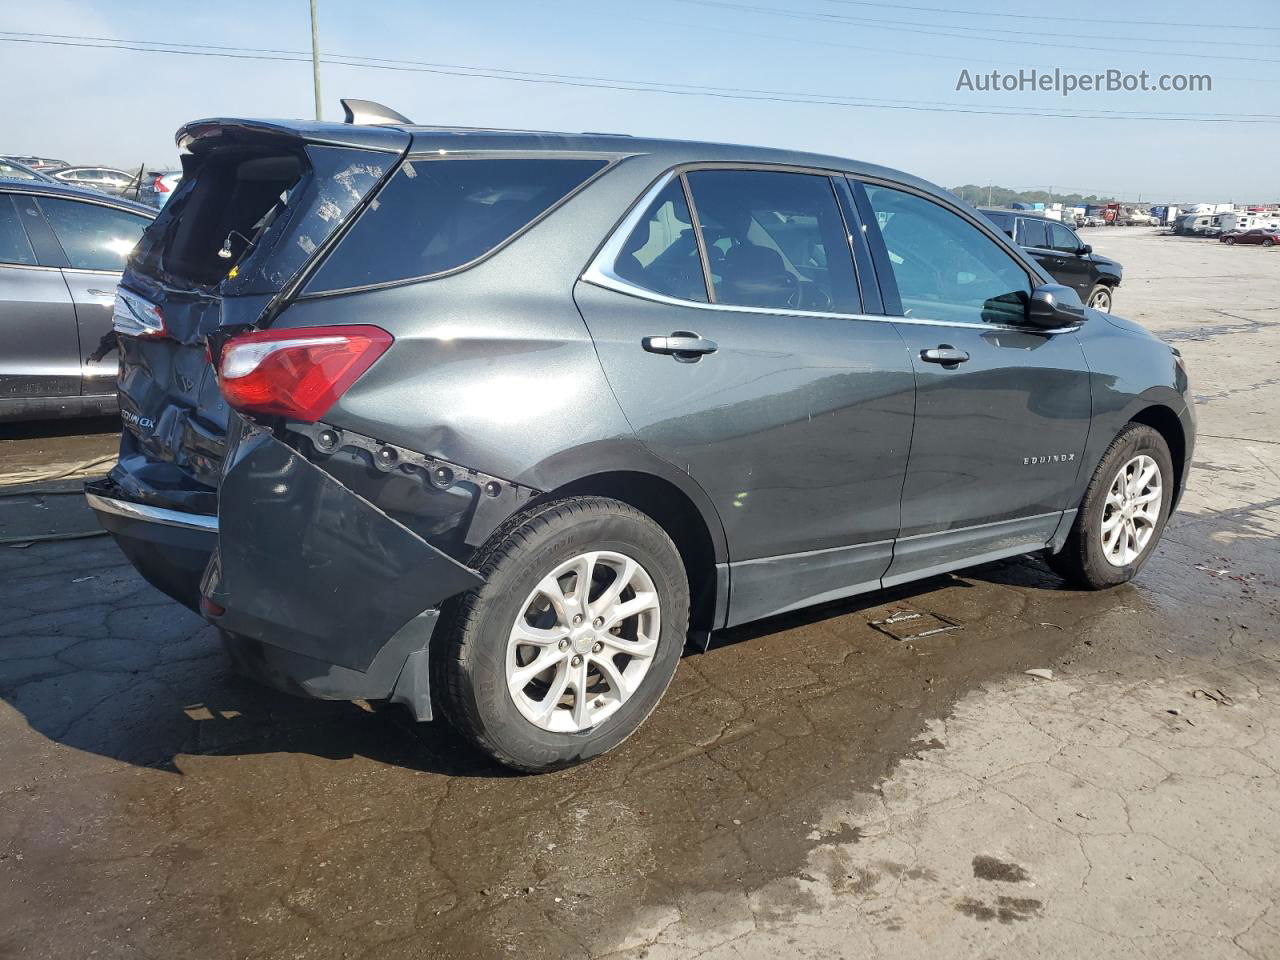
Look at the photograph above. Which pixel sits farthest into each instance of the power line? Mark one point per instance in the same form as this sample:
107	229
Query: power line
908	27
670	89
907	53
1075	20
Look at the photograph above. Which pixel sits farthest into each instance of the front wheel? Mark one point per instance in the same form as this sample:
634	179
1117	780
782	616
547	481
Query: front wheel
1123	513
1100	298
573	638
1228	240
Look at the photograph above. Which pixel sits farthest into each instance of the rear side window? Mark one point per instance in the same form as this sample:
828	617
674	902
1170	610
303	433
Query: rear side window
1002	220
775	240
661	254
1031	233
14	245
93	237
437	215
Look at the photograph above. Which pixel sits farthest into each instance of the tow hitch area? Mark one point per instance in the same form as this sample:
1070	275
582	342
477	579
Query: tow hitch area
307	566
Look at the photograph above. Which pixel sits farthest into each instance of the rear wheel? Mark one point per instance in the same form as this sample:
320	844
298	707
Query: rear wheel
1268	242
1123	512
573	638
1100	298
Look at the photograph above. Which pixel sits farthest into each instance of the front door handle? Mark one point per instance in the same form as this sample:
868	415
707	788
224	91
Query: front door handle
686	347
944	354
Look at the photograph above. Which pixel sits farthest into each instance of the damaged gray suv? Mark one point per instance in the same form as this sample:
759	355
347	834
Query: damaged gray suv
491	424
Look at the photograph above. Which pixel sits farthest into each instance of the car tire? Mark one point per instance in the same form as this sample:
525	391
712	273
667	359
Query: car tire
1268	242
1088	558
545	723
1100	298
1228	240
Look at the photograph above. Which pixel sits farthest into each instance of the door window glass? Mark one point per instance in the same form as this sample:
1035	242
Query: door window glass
14	246
946	268
661	253
775	240
1031	233
1063	239
93	237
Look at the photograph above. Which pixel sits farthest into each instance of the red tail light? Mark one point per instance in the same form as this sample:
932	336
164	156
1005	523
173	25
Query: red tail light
298	373
158	185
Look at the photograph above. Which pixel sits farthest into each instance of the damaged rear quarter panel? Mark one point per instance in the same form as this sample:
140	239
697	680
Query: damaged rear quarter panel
305	564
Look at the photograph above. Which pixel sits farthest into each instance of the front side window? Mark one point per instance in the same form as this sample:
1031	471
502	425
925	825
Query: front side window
661	253
775	240
1062	239
14	245
93	237
945	267
437	215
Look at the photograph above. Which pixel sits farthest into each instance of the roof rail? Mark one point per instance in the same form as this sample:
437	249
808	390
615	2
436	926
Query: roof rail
368	112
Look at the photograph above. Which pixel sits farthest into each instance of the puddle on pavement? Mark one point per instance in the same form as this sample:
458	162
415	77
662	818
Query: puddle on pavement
269	821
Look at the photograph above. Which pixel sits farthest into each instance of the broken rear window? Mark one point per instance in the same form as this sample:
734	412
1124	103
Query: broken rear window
247	218
436	215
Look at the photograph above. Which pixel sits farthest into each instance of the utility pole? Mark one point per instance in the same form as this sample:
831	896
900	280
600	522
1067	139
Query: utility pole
988	194
315	58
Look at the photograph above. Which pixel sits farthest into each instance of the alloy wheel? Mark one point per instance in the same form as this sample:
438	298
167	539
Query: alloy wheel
1101	300
1131	511
583	641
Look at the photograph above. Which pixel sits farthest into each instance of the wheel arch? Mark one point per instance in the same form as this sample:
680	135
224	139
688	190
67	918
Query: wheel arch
676	512
1165	422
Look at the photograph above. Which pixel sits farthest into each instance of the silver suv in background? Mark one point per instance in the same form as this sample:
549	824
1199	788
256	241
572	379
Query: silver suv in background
105	179
61	253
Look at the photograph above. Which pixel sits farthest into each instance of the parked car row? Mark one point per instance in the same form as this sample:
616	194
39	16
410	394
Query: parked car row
153	187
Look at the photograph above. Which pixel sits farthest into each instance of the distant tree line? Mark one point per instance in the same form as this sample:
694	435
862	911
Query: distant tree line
1003	196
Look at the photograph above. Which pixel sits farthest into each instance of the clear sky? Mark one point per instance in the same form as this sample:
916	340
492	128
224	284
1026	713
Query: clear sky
121	107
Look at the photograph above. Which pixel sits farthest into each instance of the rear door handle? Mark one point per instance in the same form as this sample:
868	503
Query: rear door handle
684	346
945	354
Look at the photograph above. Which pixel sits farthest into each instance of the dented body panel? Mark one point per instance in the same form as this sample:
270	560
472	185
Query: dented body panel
306	565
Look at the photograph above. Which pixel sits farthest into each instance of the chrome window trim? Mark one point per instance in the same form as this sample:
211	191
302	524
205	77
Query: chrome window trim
6	265
141	511
600	273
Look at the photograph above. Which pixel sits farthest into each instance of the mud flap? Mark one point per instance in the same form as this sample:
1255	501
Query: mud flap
306	565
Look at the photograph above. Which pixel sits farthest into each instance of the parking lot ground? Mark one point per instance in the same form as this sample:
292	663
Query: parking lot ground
816	785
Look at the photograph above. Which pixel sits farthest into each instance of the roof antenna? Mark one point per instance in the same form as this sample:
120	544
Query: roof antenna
367	112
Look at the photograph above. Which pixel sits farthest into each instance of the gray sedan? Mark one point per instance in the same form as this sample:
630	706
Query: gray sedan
61	253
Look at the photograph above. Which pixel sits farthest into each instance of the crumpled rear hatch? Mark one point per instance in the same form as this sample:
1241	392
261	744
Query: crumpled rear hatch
259	201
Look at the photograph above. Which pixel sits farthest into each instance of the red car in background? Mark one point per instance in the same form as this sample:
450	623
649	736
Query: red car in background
1267	236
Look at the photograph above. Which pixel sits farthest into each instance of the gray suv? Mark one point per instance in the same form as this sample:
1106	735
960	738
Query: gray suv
489	424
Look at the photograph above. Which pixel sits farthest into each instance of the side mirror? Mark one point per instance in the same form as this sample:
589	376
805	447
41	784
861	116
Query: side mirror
1085	250
1053	306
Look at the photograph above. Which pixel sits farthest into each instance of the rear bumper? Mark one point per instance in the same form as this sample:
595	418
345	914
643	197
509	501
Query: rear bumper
316	590
170	548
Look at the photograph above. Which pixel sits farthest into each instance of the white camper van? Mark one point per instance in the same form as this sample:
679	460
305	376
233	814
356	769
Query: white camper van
1240	222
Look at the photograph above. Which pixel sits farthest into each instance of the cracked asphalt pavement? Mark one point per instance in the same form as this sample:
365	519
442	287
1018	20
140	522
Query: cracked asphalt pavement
813	786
